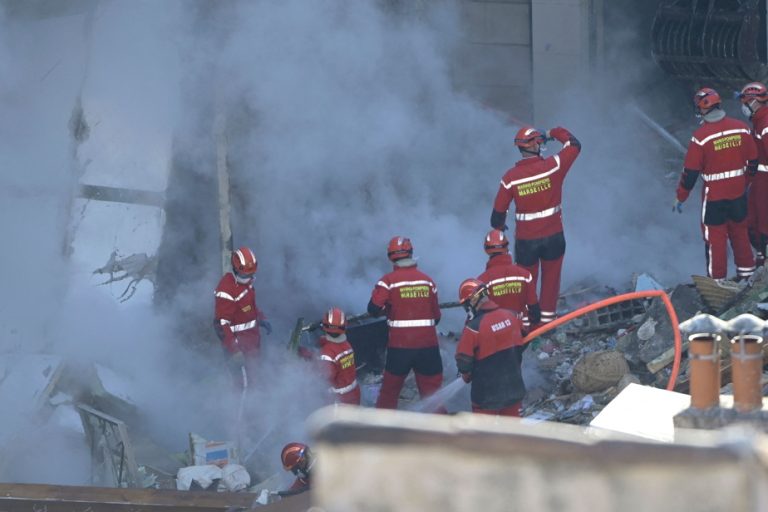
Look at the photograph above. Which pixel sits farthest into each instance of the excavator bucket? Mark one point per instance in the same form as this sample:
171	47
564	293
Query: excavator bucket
713	42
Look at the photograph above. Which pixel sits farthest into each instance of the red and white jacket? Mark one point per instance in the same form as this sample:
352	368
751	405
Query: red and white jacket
719	151
409	299
760	133
236	316
535	184
338	360
509	285
490	354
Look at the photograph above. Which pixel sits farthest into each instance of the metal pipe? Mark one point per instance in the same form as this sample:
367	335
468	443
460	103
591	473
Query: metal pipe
660	130
747	365
704	356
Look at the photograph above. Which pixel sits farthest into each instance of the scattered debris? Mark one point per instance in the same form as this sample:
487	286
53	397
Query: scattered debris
231	477
113	463
716	293
645	282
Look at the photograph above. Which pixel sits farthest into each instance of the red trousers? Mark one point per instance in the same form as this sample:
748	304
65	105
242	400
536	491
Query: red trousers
550	286
393	384
757	213
512	410
716	244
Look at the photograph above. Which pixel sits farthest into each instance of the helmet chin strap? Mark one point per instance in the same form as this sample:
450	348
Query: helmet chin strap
532	153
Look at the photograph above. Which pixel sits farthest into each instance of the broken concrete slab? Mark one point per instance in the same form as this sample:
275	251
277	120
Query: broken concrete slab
642	411
754	293
644	282
29	380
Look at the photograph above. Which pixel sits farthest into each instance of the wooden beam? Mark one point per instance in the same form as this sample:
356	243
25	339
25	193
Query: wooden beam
122	195
61	498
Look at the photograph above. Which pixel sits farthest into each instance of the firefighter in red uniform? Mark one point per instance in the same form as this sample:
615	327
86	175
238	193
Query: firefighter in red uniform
509	285
723	152
754	98
297	458
338	358
237	318
535	184
490	351
409	299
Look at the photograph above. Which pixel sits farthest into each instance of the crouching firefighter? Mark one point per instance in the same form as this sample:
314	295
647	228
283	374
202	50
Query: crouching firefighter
237	318
490	351
297	458
338	358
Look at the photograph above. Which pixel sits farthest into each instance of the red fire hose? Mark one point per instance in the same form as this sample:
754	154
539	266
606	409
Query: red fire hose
621	298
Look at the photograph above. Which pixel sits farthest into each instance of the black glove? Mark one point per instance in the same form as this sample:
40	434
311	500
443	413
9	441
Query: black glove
266	325
499	220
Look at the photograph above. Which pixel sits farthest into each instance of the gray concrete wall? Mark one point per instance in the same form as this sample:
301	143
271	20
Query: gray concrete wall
382	461
520	54
494	61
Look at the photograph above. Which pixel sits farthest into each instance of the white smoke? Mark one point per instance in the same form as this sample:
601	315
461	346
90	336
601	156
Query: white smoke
345	129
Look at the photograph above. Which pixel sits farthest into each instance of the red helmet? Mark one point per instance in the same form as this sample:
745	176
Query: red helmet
295	457
706	99
399	248
754	91
527	137
244	262
470	290
335	321
496	242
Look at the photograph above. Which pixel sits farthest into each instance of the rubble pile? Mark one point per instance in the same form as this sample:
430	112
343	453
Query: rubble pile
586	364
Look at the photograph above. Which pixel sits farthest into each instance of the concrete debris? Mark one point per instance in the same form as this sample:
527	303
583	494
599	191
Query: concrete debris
29	380
655	334
716	294
755	292
644	282
569	360
562	359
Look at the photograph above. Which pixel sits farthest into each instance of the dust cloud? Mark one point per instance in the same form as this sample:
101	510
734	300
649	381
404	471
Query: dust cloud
344	129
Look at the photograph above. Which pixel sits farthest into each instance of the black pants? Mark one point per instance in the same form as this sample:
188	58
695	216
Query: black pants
424	361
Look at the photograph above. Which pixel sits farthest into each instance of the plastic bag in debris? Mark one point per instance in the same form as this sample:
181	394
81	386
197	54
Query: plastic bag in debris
234	478
203	475
204	452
